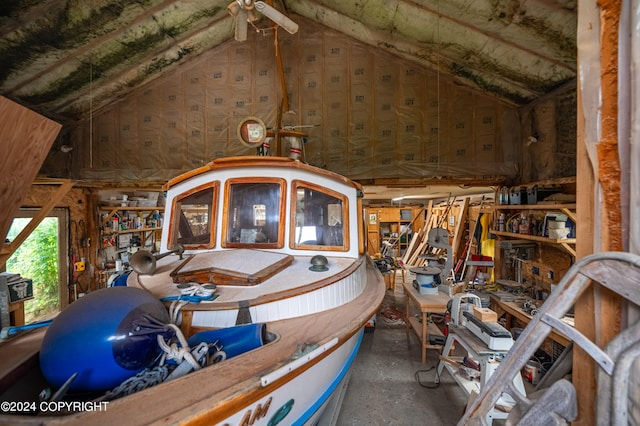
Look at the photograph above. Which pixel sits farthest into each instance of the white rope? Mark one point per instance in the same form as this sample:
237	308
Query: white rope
174	310
196	289
178	353
193	289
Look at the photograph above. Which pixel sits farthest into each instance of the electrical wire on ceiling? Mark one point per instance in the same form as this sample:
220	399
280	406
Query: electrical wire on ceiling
438	79
90	113
91	104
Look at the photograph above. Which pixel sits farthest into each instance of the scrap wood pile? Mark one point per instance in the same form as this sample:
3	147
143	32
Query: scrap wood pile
437	217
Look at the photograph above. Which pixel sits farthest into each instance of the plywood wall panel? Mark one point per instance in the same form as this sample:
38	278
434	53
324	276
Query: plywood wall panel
26	139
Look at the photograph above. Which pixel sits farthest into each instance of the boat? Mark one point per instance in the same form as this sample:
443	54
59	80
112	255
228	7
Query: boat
271	245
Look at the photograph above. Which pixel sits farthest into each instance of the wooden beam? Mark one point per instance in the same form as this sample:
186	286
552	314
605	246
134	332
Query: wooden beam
584	371
457	233
7	251
592	230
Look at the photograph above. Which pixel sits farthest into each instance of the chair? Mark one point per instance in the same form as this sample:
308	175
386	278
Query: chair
619	272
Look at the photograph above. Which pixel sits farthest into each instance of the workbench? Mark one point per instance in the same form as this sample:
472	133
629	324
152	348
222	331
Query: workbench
423	327
514	310
488	359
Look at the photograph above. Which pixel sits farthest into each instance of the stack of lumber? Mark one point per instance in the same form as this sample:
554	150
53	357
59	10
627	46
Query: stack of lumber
436	217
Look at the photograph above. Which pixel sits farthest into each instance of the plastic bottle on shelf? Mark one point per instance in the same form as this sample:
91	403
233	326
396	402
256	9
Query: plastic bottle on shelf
524	224
125	221
504	196
533	227
501	222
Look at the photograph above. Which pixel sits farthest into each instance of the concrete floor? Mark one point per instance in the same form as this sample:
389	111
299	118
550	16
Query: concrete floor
383	389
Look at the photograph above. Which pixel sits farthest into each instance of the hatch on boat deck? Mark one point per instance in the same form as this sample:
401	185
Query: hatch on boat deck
232	267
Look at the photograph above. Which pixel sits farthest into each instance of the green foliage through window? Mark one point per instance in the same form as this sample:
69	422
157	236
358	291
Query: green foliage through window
37	258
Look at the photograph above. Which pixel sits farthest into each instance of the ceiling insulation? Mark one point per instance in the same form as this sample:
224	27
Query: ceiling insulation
65	59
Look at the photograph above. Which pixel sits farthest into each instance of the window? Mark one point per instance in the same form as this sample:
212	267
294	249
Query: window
43	257
320	217
196	218
253	213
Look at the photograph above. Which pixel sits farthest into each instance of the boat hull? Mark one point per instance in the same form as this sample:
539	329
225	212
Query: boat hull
263	384
304	399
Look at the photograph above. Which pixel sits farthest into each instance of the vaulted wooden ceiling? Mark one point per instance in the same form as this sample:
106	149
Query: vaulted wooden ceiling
66	58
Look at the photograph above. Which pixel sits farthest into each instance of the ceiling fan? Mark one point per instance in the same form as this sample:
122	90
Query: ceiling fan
244	12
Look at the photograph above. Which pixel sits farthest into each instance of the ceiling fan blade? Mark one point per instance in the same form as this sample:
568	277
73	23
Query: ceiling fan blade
277	17
241	26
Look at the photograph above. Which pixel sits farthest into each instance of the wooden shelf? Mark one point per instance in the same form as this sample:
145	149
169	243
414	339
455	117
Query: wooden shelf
467	385
386	217
568	244
432	329
546	240
130	208
130	231
145	232
534	206
512	309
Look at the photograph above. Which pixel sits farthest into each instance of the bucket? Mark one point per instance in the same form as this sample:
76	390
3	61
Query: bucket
428	289
531	372
425	284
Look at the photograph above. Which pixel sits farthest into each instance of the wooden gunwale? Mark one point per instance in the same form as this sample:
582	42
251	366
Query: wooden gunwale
19	355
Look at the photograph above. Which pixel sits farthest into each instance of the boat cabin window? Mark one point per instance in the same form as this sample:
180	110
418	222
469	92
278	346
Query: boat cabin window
194	213
321	219
253	213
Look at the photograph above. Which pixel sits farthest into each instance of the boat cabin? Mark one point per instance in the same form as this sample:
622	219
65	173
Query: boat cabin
289	210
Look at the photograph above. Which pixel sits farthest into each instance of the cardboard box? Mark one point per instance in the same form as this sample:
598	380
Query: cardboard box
485	314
